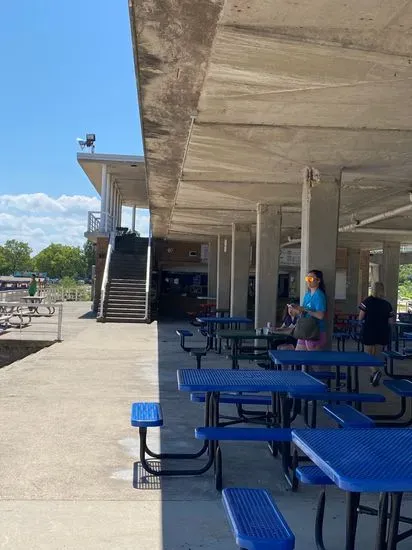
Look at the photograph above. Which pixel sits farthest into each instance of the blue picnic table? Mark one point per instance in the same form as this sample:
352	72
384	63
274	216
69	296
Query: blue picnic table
365	460
337	359
278	383
399	328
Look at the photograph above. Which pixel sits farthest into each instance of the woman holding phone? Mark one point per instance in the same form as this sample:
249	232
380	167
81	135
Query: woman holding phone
314	305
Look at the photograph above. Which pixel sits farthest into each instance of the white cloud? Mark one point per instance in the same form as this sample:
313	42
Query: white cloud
40	219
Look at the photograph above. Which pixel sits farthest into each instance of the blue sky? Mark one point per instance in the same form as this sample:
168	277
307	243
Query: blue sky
67	69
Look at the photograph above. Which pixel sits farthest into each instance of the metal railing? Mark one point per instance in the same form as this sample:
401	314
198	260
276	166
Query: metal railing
12	295
39	321
105	278
93	222
148	276
74	294
96	222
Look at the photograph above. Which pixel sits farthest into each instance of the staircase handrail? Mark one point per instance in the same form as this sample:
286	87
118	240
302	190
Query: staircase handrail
148	275
105	277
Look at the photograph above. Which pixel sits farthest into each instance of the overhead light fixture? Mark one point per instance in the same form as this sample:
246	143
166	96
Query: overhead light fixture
87	142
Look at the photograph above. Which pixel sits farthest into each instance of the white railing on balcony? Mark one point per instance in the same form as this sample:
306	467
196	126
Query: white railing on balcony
105	278
96	222
93	222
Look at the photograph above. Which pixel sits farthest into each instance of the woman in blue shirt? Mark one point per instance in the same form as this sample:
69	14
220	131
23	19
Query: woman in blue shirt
314	305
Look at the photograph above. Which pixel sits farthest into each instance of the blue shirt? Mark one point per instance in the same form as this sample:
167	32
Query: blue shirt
316	302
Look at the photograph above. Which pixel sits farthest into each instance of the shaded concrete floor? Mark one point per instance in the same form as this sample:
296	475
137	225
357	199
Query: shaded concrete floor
68	451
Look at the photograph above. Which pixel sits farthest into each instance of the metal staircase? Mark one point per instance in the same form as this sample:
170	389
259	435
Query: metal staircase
125	296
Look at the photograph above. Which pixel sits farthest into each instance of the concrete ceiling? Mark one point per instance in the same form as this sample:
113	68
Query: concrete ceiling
128	173
239	96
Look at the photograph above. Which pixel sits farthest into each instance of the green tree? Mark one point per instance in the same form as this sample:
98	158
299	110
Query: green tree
3	263
59	260
405	281
89	250
15	256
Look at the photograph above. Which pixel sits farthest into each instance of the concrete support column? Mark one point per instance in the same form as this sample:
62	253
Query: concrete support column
364	275
104	199
240	269
390	272
212	268
119	213
320	217
224	257
134	218
376	273
116	208
353	280
109	202
269	219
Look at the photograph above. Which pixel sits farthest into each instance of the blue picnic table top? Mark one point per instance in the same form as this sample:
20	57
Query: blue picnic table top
325	358
361	460
223	320
194	380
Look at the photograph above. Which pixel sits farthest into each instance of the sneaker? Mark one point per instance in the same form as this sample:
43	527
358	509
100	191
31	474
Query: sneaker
375	378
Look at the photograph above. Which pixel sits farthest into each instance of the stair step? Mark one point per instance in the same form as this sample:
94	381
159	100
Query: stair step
125	315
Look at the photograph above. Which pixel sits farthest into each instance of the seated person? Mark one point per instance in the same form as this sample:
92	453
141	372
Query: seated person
288	320
288	324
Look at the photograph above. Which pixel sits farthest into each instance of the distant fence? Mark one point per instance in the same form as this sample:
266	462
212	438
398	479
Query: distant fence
73	294
12	295
43	321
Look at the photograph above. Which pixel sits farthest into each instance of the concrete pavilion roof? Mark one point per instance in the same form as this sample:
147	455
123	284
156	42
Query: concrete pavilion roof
127	171
237	97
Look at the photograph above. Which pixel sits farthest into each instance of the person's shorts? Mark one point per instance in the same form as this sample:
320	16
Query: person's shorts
314	344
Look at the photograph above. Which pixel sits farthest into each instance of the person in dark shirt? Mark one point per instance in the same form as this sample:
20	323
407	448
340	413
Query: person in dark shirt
376	313
288	321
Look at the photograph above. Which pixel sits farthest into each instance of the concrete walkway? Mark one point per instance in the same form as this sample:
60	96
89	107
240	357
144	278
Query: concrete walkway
67	456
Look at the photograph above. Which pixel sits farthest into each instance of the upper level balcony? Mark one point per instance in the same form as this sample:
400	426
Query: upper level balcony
120	180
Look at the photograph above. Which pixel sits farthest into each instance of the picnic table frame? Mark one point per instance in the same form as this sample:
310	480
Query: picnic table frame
343	456
236	337
338	359
212	321
396	328
39	301
278	383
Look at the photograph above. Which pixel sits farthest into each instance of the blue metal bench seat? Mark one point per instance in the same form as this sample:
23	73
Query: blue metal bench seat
237	399
348	417
244	434
327	375
256	522
400	387
184	333
341	396
149	415
312	475
146	415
